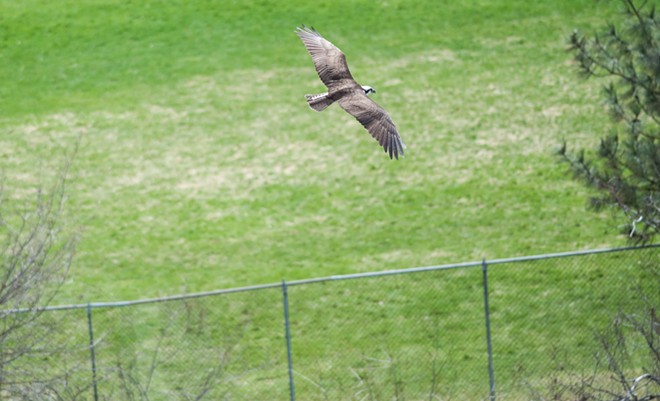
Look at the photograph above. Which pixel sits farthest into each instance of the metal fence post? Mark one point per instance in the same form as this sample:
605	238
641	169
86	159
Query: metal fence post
287	328
491	371
91	350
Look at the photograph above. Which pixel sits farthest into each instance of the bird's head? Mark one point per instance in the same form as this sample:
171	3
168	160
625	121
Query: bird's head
368	90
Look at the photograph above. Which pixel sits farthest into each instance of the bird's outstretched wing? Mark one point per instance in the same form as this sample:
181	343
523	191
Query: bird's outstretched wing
329	61
376	120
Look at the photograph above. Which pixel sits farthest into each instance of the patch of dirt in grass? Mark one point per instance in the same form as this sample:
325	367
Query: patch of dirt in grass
432	56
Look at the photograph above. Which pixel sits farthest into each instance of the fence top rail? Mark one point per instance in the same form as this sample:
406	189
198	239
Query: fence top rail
329	278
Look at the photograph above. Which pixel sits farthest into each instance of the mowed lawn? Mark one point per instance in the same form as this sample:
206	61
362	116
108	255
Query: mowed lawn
199	165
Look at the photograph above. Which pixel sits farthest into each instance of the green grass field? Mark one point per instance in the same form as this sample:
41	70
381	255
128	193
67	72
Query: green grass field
412	336
201	167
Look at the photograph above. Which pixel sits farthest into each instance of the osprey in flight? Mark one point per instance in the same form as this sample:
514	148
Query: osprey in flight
331	66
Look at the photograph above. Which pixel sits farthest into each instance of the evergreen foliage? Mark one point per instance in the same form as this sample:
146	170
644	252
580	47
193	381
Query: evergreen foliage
625	169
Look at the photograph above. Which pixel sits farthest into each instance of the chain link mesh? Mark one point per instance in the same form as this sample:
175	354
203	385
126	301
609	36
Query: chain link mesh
213	347
393	337
416	336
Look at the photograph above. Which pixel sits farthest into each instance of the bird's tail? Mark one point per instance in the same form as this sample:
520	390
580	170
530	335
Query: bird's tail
319	102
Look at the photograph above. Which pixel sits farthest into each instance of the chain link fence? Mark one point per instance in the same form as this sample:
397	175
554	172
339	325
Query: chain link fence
472	331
